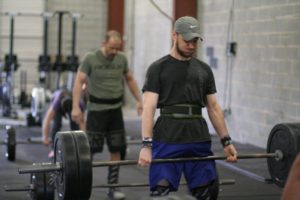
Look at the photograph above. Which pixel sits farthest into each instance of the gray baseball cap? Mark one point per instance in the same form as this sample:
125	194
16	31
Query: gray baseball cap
188	27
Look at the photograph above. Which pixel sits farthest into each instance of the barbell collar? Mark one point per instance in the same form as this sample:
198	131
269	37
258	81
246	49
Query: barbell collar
279	155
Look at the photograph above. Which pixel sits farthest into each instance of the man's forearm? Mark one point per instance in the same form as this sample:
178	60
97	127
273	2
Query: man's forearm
134	89
217	119
76	94
45	132
136	93
45	129
147	123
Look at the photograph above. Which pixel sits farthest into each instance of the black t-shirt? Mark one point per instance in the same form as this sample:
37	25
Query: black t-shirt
180	82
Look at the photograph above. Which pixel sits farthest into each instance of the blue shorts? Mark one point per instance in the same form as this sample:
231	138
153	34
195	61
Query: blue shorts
196	173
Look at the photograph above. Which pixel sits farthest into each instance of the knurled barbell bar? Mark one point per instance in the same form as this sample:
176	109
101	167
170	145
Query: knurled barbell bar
58	166
117	185
72	160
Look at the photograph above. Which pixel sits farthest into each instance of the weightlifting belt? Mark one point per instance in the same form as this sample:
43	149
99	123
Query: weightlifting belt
182	111
94	99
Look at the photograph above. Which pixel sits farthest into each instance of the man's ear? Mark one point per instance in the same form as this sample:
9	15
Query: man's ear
174	35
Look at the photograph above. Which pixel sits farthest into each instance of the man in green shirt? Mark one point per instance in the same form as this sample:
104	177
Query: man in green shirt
104	71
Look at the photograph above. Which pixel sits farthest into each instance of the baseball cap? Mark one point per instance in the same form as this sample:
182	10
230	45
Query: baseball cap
188	27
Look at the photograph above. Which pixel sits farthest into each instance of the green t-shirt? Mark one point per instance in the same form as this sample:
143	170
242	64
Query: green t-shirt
105	78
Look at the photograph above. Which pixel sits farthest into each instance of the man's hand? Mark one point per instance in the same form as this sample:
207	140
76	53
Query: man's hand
46	141
77	115
231	153
145	157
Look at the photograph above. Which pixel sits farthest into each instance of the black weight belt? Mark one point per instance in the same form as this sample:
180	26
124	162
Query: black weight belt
182	111
94	99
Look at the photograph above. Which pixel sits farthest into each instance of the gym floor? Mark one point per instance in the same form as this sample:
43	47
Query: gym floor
250	175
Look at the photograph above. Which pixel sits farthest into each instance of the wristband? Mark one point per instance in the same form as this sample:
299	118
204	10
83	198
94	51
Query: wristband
225	141
147	142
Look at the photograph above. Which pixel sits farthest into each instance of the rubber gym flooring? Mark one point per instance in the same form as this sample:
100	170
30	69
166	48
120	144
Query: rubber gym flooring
250	175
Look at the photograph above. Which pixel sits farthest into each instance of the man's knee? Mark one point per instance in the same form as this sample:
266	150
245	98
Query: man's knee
116	141
96	140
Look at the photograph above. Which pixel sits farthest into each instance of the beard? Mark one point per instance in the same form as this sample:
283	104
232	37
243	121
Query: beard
182	53
111	56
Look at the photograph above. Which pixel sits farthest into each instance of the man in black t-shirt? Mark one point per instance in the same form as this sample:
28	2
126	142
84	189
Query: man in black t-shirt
181	85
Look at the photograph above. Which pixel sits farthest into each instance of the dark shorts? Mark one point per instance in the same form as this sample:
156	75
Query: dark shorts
196	173
106	125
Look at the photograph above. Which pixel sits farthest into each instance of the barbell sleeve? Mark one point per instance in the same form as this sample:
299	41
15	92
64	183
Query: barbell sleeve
18	189
41	167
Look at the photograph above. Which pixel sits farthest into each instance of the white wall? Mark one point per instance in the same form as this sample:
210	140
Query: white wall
147	34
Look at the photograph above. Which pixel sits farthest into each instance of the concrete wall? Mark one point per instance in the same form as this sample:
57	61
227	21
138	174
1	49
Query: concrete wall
264	75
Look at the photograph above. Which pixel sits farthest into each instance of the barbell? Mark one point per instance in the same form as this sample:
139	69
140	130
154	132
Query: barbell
73	166
11	142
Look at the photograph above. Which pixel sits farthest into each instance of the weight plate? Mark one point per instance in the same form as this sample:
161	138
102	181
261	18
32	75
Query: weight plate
286	138
29	120
42	188
11	143
10	152
67	180
84	164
